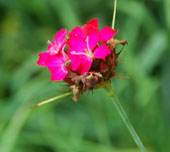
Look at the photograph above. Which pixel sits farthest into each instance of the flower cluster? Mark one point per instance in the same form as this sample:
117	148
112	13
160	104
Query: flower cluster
85	60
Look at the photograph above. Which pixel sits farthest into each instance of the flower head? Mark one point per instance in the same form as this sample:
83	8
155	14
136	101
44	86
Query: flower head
86	60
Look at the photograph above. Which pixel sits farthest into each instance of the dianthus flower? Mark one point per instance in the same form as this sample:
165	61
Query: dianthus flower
92	44
55	58
86	60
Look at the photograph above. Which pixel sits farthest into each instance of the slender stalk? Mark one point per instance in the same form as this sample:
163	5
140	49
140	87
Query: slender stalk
124	117
114	14
53	99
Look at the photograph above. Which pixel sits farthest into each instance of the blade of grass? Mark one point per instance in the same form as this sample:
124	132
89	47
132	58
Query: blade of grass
124	117
53	99
114	14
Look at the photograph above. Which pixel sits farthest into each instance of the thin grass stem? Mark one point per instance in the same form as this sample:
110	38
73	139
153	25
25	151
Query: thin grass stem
114	14
53	99
124	117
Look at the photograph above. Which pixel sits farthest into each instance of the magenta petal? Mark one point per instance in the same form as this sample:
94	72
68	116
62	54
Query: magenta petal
76	43
106	33
85	65
59	73
76	56
94	22
88	29
54	62
42	58
101	52
92	39
77	32
60	37
56	65
75	62
52	46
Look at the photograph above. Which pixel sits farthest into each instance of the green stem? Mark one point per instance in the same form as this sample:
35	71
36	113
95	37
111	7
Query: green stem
124	117
114	14
53	99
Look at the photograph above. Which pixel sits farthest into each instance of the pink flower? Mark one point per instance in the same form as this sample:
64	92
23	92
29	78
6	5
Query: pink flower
84	45
54	59
82	52
54	48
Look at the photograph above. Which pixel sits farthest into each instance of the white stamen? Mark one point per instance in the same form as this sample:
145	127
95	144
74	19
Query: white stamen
78	53
87	41
49	42
63	68
52	51
89	52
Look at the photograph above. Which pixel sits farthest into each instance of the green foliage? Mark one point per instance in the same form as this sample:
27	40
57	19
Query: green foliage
92	124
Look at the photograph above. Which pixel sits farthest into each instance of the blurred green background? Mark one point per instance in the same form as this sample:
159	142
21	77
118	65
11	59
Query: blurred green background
92	124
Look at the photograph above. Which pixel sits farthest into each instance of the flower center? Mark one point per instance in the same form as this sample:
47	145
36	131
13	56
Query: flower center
54	50
87	52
